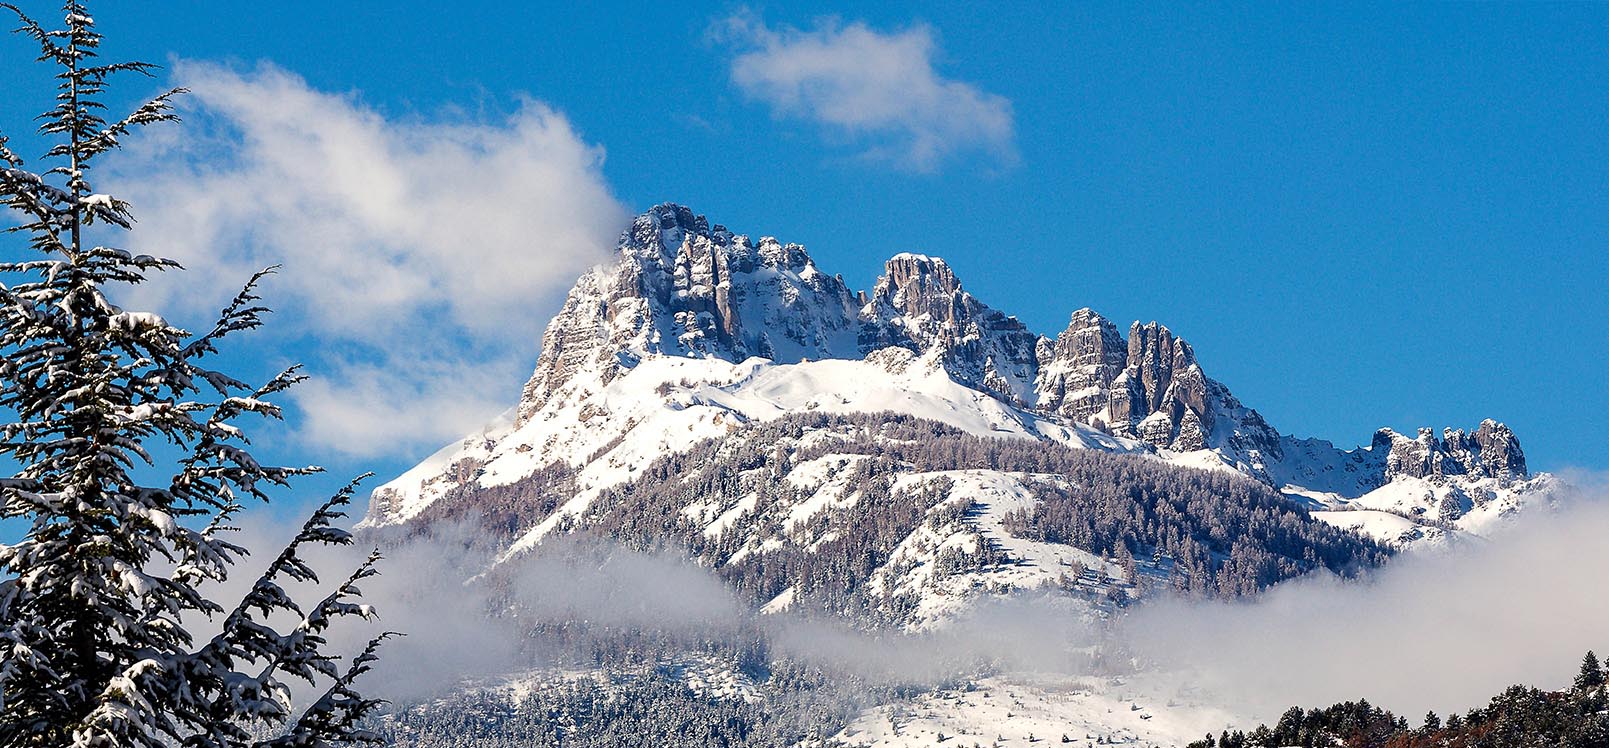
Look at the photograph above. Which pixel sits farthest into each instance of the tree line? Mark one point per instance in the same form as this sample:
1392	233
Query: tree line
1519	717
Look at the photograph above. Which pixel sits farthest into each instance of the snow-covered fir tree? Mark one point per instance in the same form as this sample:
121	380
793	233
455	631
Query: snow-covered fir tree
128	460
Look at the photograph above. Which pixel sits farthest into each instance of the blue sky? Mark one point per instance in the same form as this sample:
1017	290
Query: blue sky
1360	215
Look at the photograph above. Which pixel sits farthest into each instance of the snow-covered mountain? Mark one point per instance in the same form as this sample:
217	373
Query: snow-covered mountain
908	459
695	332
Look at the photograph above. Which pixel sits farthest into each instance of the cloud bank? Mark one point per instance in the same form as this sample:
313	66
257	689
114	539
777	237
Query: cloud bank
417	251
1441	630
879	91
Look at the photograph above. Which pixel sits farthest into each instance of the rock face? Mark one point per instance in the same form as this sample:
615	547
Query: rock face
1149	387
918	304
1080	368
1165	384
1490	451
684	287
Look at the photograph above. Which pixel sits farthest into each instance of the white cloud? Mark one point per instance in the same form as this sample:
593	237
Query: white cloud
880	90
418	253
363	408
1443	631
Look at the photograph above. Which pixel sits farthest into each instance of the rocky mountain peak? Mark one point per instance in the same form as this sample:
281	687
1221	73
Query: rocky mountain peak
1147	386
1078	369
673	236
1491	451
1499	449
665	228
1167	390
919	304
682	286
918	286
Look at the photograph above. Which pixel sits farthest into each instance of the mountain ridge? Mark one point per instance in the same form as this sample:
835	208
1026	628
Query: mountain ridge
684	288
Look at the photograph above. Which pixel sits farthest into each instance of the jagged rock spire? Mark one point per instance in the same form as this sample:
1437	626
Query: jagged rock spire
918	303
1491	450
1079	369
1147	386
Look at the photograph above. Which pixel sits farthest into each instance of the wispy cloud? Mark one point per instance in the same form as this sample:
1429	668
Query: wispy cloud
878	90
417	251
1430	630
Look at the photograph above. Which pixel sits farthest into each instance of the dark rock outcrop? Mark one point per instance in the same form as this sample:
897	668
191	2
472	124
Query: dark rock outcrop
1079	368
1490	451
919	304
1148	387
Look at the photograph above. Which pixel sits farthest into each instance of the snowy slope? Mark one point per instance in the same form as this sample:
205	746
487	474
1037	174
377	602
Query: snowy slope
1411	511
915	567
666	402
1031	709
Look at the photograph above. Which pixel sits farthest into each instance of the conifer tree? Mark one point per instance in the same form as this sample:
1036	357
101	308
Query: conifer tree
1591	674
128	462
